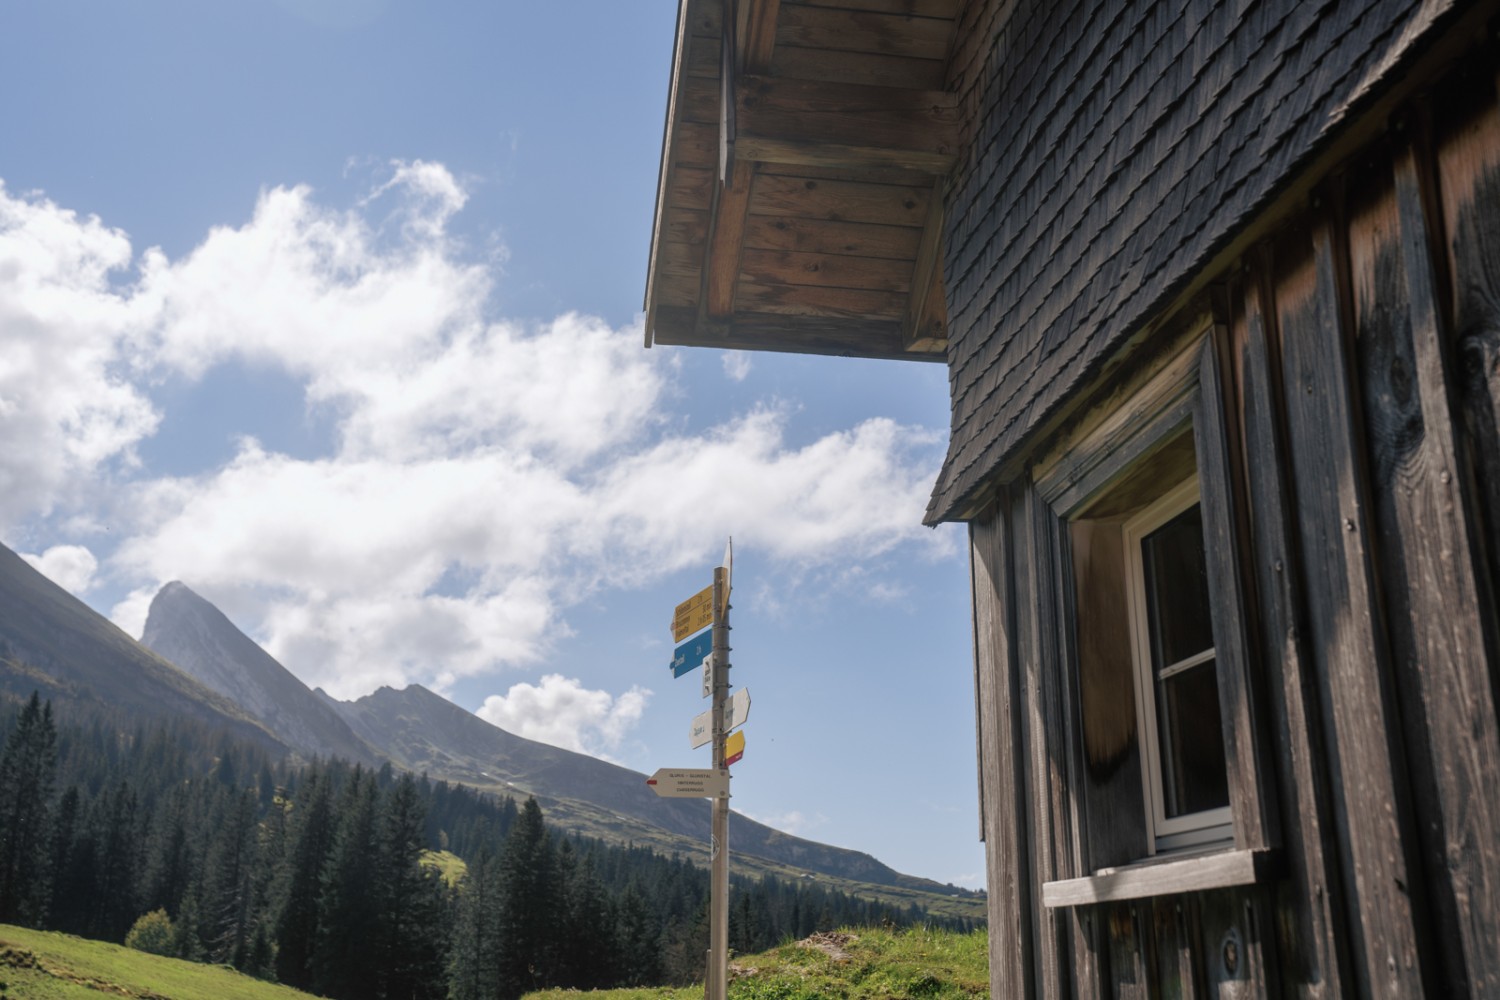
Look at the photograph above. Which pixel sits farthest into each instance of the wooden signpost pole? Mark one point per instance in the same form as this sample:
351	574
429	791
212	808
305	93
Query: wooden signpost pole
718	925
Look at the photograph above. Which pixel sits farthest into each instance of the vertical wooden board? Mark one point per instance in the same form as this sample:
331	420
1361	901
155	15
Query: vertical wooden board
1127	966
1312	957
1468	160
1373	811
1231	942
1035	649
1002	774
1441	625
1246	757
1173	945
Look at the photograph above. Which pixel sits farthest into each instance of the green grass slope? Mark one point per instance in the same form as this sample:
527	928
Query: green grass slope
858	964
41	965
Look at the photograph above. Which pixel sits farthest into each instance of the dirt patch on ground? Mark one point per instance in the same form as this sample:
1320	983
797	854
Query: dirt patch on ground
831	943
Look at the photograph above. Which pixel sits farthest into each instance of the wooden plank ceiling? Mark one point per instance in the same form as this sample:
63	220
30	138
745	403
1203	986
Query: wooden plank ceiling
800	202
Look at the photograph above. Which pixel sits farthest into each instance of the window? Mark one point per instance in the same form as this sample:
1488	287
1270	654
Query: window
1163	780
1176	683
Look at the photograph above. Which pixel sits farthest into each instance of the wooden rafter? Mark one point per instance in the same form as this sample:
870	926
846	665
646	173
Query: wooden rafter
849	126
918	328
755	34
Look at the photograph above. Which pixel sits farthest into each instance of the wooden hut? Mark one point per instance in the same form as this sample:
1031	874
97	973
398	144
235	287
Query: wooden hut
1218	287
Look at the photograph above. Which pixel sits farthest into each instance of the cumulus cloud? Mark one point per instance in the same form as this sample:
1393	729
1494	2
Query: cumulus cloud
67	412
484	473
562	712
71	567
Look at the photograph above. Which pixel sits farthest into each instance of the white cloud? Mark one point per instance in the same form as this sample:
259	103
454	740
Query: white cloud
71	567
485	475
736	365
562	712
66	409
130	614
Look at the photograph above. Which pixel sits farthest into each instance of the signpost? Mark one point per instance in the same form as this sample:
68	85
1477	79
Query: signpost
710	606
690	783
691	654
697	612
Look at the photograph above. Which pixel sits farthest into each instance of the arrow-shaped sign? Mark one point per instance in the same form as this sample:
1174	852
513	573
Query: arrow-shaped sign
736	711
697	612
690	783
734	748
692	653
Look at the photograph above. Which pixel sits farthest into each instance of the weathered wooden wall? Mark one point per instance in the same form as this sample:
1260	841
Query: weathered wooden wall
1346	411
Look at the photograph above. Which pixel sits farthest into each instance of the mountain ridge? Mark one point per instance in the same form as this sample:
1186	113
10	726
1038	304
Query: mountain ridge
53	643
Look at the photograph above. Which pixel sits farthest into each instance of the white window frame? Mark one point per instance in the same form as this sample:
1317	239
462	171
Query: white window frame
1193	830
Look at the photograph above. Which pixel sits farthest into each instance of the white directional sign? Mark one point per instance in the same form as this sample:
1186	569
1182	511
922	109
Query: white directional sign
736	711
690	783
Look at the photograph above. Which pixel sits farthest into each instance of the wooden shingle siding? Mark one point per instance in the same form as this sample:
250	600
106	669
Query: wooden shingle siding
1116	148
1345	416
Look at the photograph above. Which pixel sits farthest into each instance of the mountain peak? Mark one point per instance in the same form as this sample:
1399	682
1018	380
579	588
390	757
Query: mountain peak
198	637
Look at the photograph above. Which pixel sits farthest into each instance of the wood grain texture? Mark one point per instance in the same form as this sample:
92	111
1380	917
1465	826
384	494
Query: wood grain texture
748	331
1002	772
823	112
788	267
845	239
1165	876
1036	658
1225	536
726	235
1312	949
842	201
845	30
1373	814
1440	609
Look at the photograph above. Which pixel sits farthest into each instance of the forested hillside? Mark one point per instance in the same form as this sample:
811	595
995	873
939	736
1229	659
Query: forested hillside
316	875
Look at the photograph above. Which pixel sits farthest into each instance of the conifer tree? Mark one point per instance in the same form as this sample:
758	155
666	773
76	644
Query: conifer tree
346	908
412	927
312	841
474	949
27	769
528	905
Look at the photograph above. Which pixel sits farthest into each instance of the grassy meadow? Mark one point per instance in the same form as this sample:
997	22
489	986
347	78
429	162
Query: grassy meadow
853	964
43	965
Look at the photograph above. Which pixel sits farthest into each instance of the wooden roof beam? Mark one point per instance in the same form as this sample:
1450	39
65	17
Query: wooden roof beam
851	126
755	34
925	326
852	338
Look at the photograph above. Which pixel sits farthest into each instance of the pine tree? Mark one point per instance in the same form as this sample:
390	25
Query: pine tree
474	948
312	841
528	905
412	927
27	769
346	908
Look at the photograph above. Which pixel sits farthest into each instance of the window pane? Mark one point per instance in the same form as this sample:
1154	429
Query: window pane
1193	770
1177	589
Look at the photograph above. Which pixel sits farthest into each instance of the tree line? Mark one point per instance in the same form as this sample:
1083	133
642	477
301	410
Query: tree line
323	874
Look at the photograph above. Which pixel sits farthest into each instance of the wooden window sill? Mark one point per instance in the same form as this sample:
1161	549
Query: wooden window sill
1164	877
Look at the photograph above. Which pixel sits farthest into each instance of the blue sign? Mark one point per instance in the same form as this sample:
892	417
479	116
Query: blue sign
691	654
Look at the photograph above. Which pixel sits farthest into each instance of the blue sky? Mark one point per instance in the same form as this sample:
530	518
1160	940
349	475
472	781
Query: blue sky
331	310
